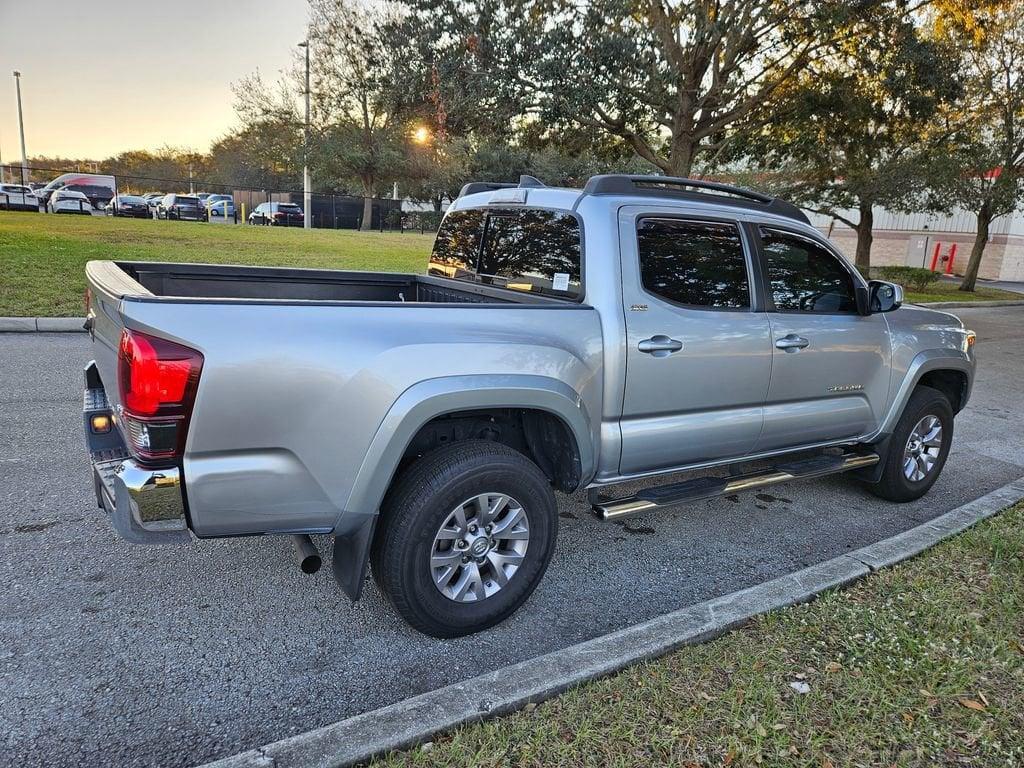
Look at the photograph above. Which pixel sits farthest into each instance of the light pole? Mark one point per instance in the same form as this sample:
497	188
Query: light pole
21	128
307	183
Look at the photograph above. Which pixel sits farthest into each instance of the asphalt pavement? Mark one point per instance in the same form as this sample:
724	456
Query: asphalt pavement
118	654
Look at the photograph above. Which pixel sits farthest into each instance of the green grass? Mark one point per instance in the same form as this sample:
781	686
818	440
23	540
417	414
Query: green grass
948	291
919	665
42	257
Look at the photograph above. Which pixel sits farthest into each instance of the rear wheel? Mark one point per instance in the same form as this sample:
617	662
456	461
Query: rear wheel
464	538
918	447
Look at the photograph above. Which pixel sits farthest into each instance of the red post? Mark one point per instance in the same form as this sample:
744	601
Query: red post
935	256
952	255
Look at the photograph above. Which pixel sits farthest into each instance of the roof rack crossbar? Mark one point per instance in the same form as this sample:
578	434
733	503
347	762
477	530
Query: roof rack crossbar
626	184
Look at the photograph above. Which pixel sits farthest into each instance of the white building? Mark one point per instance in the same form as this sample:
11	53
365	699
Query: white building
921	239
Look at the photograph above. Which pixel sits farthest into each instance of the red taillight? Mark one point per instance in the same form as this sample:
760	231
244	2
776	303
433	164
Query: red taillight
158	380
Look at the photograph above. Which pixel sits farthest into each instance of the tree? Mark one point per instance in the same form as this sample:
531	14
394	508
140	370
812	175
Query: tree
356	136
857	122
672	80
982	168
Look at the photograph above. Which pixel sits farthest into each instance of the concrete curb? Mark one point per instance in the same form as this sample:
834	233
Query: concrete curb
414	720
42	324
965	304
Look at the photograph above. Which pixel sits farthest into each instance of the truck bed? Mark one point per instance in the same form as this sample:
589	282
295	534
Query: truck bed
212	281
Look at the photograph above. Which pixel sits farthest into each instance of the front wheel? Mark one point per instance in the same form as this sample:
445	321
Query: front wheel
918	447
465	536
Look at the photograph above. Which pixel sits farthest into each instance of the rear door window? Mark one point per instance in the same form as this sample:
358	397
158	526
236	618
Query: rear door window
694	263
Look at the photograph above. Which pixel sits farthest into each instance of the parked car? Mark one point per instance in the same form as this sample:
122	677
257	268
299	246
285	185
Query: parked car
181	207
97	187
277	215
637	328
17	197
132	206
221	205
153	200
69	201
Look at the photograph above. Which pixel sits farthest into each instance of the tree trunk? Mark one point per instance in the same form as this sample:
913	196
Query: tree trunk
367	220
978	250
865	235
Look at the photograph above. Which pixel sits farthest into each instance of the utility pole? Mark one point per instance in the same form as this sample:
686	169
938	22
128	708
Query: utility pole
307	182
21	128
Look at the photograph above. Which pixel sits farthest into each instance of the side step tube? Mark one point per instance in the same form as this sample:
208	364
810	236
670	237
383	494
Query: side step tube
708	487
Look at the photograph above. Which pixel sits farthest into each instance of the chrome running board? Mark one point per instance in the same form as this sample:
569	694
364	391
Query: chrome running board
707	487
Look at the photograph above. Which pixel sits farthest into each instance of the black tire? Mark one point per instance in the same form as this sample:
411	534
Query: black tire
894	485
420	502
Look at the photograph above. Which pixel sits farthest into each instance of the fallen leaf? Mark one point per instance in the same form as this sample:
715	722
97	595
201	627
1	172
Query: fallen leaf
908	718
926	693
729	757
826	763
761	731
833	666
977	706
983	699
779	727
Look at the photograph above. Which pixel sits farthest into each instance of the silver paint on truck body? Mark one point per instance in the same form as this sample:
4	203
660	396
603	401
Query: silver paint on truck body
305	407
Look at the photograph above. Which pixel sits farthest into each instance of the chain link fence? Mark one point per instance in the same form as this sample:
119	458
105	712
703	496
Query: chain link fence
327	210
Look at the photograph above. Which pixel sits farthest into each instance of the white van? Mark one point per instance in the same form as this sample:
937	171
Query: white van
98	188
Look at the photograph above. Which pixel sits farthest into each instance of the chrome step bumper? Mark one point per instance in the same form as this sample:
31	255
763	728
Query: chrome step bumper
708	487
146	506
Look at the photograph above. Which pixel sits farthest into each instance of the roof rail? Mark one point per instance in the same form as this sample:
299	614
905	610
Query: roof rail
525	182
660	186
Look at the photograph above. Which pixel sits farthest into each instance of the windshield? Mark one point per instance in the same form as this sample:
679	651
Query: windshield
288	208
186	201
524	249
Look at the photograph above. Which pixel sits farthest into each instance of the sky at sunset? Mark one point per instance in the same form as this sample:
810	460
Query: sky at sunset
104	76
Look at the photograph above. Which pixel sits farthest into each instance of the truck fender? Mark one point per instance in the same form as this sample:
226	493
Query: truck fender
413	409
923	362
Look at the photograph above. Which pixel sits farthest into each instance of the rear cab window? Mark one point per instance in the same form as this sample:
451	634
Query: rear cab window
533	250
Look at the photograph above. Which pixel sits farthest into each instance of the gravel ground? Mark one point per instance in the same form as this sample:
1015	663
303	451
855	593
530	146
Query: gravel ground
116	654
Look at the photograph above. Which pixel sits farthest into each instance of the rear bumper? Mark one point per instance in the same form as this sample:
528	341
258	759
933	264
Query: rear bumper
146	506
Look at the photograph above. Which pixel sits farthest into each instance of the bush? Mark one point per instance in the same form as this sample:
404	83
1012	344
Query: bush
914	278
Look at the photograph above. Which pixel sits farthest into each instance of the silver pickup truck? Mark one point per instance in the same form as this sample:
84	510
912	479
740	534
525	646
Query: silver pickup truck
562	339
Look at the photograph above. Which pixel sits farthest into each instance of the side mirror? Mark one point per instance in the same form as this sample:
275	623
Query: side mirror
885	297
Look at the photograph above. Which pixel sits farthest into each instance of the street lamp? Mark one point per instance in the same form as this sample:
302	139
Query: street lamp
307	183
21	128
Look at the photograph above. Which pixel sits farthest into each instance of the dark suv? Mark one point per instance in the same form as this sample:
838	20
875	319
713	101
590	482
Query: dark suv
181	207
277	215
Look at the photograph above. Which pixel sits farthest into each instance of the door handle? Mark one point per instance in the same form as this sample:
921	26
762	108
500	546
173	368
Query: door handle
791	342
660	346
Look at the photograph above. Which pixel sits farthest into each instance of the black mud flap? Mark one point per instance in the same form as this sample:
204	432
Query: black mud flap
873	474
351	558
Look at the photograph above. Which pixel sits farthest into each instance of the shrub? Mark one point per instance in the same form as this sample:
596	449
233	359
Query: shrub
914	278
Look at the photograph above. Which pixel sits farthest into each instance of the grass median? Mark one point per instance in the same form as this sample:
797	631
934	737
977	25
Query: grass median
949	291
43	256
921	664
